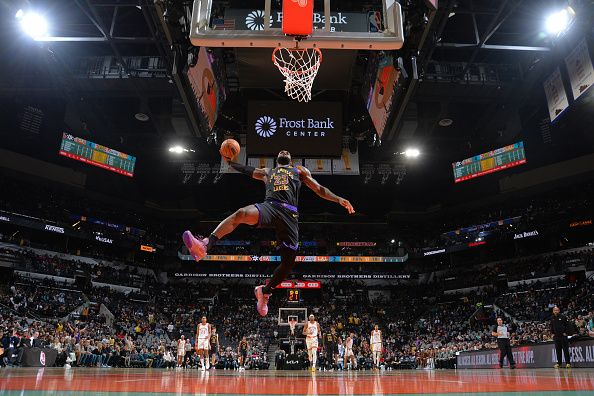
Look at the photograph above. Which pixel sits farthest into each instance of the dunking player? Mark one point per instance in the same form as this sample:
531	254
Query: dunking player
278	211
312	331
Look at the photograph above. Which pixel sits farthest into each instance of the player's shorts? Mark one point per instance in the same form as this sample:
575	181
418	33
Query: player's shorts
376	347
331	348
348	353
243	353
283	218
181	352
311	342
203	343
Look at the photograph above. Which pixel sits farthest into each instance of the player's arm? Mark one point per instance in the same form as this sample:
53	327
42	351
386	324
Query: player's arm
305	328
256	173
321	191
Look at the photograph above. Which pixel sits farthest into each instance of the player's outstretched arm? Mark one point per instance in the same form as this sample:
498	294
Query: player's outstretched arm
322	191
256	173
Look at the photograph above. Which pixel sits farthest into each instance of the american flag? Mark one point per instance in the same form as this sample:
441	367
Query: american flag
224	24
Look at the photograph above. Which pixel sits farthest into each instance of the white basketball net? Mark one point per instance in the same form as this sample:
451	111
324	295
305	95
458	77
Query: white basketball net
292	324
299	67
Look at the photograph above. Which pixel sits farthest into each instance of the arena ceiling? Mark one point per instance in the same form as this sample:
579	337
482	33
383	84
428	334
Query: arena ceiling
480	63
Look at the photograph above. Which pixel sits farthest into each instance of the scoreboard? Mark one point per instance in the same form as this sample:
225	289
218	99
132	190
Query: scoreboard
98	155
492	161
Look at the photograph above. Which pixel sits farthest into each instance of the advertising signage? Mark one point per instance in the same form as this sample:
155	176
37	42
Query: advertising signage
312	129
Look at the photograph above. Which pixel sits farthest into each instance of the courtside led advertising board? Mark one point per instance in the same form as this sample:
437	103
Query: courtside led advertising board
311	129
492	161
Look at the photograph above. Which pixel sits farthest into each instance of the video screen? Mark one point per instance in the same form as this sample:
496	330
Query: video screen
381	90
207	86
95	154
492	161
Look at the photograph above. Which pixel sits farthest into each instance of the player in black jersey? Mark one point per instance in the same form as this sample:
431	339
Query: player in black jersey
278	211
330	343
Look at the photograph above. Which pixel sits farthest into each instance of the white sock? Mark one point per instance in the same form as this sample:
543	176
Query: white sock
202	362
314	357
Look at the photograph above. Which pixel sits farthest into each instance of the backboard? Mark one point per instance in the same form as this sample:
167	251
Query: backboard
257	29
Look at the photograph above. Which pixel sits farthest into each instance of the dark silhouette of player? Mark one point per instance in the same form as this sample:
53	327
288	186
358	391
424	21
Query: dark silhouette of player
278	211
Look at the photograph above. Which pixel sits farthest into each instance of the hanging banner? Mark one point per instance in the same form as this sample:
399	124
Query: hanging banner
579	68
556	96
348	164
241	159
319	166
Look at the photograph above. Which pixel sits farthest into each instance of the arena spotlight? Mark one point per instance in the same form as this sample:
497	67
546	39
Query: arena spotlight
32	23
411	153
559	21
180	150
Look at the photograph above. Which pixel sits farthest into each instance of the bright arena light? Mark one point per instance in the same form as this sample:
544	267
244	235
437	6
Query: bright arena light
177	149
558	21
412	153
180	150
35	25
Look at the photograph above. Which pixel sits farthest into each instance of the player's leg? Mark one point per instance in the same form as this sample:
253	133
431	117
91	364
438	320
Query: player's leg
314	357
201	356
206	357
198	247
281	272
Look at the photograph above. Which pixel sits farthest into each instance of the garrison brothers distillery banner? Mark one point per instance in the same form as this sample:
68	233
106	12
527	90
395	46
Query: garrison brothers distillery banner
312	129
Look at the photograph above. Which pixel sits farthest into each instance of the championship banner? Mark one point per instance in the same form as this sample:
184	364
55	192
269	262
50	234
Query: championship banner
556	96
579	68
261	162
241	159
530	356
311	259
348	164
319	166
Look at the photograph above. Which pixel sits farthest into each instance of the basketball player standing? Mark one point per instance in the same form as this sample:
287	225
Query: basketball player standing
312	331
181	350
349	355
215	348
376	346
278	211
203	332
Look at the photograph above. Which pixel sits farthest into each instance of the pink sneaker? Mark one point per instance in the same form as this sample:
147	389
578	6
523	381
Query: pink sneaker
197	247
262	305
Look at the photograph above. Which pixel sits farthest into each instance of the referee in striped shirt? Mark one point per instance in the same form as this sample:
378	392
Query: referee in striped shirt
502	334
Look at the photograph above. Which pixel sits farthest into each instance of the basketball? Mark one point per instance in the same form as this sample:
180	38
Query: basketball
230	149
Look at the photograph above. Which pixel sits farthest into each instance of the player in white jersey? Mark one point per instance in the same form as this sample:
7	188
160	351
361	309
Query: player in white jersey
376	346
181	351
312	331
203	332
349	355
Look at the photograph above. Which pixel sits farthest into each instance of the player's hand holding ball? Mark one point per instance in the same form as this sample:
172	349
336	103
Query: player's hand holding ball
229	149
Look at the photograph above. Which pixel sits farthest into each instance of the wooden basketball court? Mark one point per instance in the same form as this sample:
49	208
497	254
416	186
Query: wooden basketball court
91	381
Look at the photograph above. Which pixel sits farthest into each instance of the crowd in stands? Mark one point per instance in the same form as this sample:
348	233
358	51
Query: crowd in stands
144	333
30	260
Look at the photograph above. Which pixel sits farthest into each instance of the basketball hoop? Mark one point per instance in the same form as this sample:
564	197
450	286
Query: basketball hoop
299	67
292	324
